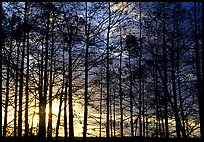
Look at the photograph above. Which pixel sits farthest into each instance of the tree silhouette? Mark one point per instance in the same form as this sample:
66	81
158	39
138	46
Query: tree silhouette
113	70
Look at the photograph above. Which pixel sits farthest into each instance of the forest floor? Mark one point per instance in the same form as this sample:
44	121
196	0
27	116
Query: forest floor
117	139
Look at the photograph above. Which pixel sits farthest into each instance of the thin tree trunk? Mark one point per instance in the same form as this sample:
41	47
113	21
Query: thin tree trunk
175	95
162	131
140	79
108	74
143	109
62	92
26	89
177	119
156	111
86	76
163	128
65	110
178	75
165	77
114	122
16	91
50	91
101	96
147	123
21	74
156	91
136	121
198	74
31	129
120	88
65	97
111	124
181	106
131	97
71	116
159	113
43	125
41	92
156	95
59	113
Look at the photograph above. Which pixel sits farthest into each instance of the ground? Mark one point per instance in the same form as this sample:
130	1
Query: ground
118	139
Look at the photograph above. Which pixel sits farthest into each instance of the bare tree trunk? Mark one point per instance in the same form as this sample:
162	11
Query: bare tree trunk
59	113
21	74
181	106
156	96
147	123
86	76
108	74
163	128
156	110
50	91
165	77
43	125
62	92
65	97
65	110
175	94
16	91
159	117
31	129
131	97
101	96
136	121
140	79
40	89
71	116
120	88
143	109
178	75
41	92
198	74
162	121
26	89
